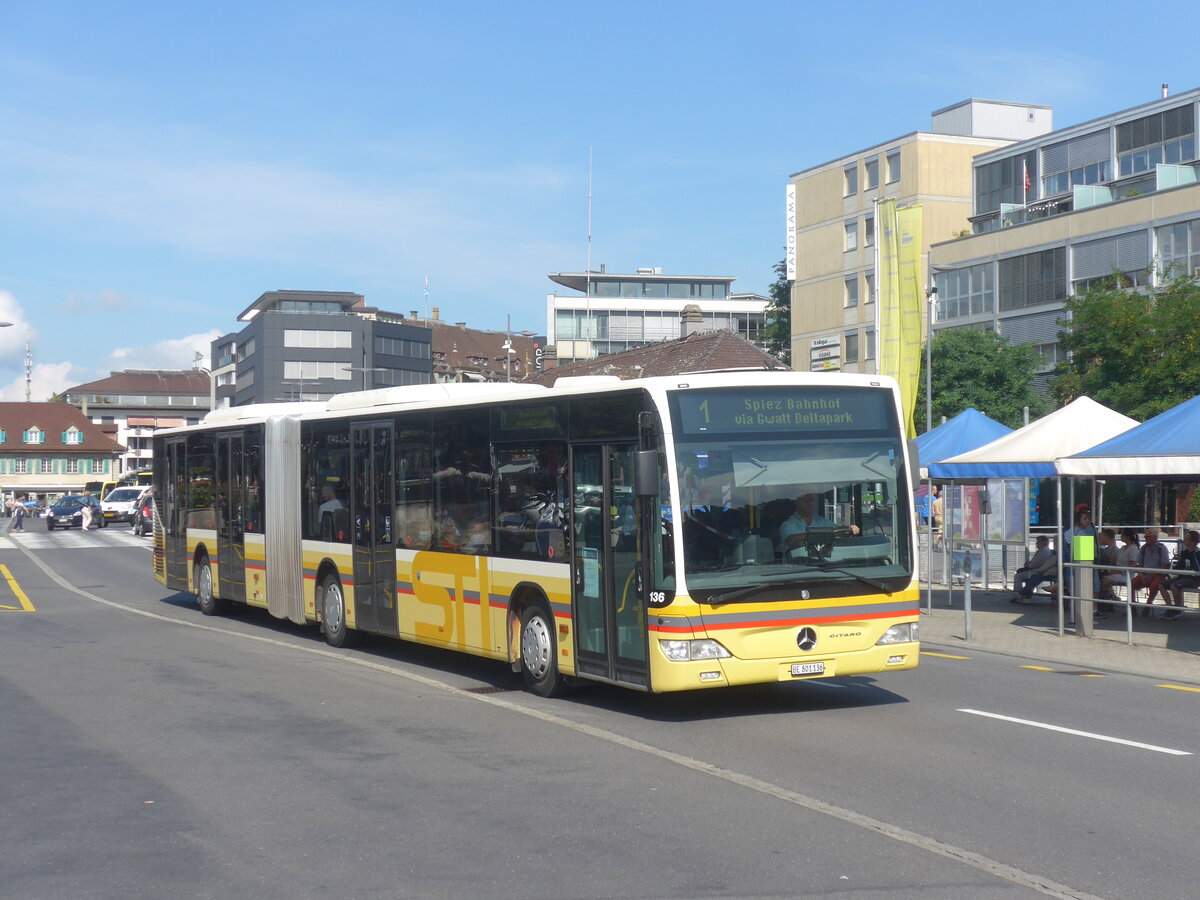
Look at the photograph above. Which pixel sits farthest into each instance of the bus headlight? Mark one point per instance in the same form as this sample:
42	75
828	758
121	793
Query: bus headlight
899	634
682	651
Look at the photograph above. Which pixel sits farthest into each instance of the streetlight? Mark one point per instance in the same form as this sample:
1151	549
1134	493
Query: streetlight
364	370
300	384
931	296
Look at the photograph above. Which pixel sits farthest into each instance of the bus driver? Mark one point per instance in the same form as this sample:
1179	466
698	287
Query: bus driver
792	532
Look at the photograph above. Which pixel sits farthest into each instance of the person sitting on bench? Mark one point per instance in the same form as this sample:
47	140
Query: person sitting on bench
1038	568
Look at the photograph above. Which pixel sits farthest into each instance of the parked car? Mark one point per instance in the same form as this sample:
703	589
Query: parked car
143	514
119	505
67	512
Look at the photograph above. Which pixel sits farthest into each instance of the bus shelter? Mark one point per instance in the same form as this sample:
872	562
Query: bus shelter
1034	450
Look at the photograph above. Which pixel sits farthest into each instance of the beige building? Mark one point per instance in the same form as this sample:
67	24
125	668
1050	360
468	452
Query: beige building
831	227
1055	214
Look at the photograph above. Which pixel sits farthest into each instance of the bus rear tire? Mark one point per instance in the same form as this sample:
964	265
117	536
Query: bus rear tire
333	614
539	662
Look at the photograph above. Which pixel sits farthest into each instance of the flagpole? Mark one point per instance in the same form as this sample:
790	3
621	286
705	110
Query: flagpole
875	286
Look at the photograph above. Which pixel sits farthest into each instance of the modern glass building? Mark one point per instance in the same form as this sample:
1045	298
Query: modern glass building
609	312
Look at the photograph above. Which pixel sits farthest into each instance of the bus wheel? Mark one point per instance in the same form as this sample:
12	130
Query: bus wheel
209	604
333	614
539	664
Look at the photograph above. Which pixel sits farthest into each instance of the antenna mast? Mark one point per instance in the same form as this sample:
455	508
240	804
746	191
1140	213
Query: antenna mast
588	269
28	371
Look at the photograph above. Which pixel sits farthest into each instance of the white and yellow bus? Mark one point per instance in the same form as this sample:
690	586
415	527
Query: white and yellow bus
663	534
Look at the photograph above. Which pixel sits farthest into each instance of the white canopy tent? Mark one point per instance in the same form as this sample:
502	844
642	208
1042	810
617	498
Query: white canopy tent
1033	451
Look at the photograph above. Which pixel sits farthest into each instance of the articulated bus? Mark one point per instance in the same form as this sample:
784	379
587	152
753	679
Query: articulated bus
662	534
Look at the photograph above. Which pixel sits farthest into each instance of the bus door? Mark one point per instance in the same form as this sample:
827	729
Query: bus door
371	461
230	499
172	511
608	577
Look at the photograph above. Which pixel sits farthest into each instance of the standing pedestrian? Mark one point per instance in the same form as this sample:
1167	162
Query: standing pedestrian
86	510
18	523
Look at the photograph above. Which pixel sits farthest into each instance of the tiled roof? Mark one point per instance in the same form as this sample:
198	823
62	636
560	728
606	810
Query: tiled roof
706	351
462	349
53	419
135	381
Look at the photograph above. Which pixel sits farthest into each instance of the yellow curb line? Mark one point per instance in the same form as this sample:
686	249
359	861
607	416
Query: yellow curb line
16	589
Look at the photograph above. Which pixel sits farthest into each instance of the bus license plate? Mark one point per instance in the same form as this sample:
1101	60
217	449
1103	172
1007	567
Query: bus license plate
808	668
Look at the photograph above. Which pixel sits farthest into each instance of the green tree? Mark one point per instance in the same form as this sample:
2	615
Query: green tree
1136	353
980	369
777	331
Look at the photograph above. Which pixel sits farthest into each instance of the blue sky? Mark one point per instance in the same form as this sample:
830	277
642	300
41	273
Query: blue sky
161	165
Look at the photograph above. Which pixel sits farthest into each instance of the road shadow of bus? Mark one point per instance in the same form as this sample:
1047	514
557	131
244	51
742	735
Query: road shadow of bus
490	676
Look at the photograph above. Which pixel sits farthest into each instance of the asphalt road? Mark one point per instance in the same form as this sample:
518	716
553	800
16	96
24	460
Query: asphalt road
150	751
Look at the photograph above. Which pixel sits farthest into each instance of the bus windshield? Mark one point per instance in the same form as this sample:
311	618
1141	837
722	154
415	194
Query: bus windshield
794	487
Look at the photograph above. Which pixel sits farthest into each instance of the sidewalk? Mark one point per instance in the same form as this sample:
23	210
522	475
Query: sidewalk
1162	649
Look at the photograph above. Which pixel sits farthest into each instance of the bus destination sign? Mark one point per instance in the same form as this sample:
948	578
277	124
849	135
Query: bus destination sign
852	409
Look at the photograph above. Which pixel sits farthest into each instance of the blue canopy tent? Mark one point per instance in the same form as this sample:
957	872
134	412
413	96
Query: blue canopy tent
968	430
1165	447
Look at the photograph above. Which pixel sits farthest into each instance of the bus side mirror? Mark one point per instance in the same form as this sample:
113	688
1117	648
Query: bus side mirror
645	473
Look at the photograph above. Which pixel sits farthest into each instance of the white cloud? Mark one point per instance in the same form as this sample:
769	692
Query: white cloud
45	380
173	353
13	338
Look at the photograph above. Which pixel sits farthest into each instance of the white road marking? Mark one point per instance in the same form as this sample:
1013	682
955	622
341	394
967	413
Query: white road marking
932	845
1087	734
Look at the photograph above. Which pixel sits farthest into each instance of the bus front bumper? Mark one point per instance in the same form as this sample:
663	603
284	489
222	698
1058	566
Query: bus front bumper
670	676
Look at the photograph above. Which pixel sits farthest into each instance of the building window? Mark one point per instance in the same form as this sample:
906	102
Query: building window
45	466
850	180
851	353
870	348
20	467
852	291
1165	137
98	466
869	231
313	370
1178	250
402	347
851	234
1011	180
870	279
893	167
1033	279
72	466
34	436
966	292
72	436
871	167
246	350
317	339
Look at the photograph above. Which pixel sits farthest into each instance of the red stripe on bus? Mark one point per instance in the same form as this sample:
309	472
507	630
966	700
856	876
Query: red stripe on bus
781	623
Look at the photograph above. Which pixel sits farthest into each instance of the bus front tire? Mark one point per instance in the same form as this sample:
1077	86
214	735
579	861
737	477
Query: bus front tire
539	663
333	614
209	603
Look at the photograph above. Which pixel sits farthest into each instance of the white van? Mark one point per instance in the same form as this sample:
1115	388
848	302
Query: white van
120	503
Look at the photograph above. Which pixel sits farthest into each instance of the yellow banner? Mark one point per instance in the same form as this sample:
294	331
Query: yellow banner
899	281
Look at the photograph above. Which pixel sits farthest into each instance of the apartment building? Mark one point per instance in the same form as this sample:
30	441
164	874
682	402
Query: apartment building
831	221
1053	214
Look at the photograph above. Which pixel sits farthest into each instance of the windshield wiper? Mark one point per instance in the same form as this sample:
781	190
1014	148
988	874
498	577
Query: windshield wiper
870	582
786	581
